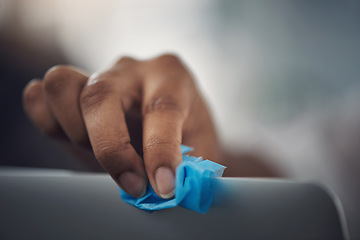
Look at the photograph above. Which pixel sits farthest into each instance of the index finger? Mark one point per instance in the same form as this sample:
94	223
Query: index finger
105	123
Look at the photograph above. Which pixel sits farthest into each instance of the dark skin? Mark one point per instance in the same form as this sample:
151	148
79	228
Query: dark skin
131	119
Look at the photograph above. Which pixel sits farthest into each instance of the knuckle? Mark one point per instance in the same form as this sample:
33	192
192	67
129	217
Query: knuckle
94	94
170	59
156	141
171	68
109	152
59	69
125	60
32	92
162	151
162	104
57	79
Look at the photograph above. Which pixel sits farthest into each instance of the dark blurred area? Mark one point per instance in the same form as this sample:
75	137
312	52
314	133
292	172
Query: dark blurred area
22	58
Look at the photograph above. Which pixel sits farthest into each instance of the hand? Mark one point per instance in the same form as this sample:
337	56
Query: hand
99	113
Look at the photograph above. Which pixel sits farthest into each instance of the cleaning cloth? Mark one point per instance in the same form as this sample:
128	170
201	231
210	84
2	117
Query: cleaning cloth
192	186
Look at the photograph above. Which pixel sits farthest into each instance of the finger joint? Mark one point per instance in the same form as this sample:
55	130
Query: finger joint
162	104
109	153
94	94
57	79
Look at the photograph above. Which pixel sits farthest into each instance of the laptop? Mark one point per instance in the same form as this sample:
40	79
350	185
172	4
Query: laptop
59	204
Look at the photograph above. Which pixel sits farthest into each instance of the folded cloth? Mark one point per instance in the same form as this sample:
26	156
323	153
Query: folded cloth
192	186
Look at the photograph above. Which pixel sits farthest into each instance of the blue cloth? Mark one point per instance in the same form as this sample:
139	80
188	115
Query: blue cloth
192	186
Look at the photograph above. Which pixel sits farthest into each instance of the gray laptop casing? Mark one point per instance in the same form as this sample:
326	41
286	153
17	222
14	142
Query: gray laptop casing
50	204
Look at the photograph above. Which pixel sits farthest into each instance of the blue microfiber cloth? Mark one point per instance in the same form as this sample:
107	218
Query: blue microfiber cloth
192	186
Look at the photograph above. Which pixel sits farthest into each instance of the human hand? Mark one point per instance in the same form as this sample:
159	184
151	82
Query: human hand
106	112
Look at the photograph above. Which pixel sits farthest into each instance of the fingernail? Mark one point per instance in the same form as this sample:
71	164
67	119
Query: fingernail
133	184
165	182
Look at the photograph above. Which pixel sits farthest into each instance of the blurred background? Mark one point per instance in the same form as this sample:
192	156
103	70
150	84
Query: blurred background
282	78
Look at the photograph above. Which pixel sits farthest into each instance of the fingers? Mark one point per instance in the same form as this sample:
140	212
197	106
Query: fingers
166	102
53	106
94	109
36	107
63	85
102	109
